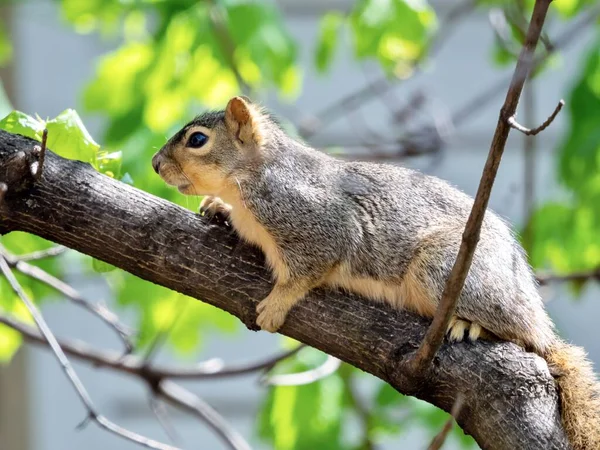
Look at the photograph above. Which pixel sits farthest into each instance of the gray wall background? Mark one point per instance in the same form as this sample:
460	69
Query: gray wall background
51	66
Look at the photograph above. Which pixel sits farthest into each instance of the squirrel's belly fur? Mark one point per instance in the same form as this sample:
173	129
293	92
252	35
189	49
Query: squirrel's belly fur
408	294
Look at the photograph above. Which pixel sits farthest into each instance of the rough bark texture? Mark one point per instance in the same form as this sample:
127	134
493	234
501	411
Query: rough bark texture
510	399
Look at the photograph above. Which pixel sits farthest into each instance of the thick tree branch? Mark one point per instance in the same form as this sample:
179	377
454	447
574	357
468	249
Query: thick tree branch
510	398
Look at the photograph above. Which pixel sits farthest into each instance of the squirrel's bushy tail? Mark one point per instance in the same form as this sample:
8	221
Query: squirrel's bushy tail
579	394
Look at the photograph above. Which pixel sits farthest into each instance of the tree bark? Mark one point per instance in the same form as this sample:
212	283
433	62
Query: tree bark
509	396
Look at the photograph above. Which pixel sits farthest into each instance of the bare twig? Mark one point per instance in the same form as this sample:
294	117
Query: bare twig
40	151
440	438
182	398
99	310
314	123
330	365
549	278
435	334
37	273
134	365
156	378
512	121
472	107
85	398
162	416
42	254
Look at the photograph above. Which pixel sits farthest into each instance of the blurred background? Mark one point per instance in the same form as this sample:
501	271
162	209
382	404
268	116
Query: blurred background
398	81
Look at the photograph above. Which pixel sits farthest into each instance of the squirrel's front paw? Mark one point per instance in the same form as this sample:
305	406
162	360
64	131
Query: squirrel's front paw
270	315
215	208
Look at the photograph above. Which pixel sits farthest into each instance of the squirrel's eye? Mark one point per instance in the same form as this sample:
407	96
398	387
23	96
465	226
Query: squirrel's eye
197	140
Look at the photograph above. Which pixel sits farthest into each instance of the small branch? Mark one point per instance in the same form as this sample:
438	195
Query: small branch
40	152
70	372
314	123
440	438
512	121
545	279
364	415
134	365
331	365
160	412
99	310
37	273
184	399
435	334
42	254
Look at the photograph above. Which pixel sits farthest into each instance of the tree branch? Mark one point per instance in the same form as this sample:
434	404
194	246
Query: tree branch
510	396
549	278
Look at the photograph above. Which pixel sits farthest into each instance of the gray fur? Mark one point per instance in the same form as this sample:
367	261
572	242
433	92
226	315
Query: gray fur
324	212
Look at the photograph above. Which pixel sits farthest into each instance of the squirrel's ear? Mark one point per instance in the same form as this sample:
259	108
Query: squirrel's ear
243	120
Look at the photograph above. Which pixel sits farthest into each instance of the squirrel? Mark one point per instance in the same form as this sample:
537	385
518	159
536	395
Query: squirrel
387	233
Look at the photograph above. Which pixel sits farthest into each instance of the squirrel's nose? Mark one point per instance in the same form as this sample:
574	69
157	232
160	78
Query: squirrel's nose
156	160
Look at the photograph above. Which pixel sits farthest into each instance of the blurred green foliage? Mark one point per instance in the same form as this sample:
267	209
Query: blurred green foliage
177	57
566	232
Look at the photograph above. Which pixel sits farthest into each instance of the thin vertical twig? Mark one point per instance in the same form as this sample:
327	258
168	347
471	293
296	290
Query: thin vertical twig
435	334
439	440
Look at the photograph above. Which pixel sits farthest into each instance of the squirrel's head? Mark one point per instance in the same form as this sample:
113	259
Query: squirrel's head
202	157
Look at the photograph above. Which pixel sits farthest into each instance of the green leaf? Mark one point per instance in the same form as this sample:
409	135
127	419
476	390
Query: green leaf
565	234
109	163
396	32
328	39
6	49
11	305
101	266
70	138
161	311
387	396
570	8
304	417
90	15
21	123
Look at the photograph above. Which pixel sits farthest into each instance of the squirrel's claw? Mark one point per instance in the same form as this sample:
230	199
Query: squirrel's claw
215	208
457	328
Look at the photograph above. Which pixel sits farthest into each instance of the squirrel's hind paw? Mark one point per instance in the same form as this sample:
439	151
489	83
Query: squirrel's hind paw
215	208
457	328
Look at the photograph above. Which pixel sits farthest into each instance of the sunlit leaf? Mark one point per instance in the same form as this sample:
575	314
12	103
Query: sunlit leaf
328	39
70	138
161	311
21	123
11	305
6	49
304	417
396	32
